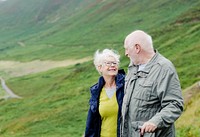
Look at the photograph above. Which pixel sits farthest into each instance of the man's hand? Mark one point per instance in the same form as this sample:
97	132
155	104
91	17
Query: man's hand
147	127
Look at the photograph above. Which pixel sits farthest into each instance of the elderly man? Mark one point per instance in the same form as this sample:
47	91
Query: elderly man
153	100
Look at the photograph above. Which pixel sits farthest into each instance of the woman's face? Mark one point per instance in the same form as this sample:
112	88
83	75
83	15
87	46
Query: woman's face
109	67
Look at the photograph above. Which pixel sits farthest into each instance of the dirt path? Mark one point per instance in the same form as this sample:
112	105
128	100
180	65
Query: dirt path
10	93
14	68
191	92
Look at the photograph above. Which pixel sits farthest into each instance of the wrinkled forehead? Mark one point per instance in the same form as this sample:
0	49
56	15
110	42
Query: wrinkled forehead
129	40
128	43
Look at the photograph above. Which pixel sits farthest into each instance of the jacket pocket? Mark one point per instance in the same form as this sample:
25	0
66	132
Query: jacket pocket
136	125
144	90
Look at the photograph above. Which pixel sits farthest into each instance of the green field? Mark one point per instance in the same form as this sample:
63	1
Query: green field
55	102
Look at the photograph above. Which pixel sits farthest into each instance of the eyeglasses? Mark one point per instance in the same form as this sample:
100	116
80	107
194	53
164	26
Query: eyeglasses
111	63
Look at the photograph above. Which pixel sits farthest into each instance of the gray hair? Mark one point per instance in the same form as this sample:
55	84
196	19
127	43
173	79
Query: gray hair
140	37
100	57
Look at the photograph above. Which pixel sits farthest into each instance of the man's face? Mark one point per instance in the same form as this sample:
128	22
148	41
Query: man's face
130	52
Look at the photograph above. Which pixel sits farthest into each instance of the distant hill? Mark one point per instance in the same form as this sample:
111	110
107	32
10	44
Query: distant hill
60	29
55	102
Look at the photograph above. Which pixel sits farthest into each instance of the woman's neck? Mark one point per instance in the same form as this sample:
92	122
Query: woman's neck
109	82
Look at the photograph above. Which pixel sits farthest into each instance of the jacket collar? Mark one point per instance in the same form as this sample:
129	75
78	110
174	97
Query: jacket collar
151	63
96	89
148	66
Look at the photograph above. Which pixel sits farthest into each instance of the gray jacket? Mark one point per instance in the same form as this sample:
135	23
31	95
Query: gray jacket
154	95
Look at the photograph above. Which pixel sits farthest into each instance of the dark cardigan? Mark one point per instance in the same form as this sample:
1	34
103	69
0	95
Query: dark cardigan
93	124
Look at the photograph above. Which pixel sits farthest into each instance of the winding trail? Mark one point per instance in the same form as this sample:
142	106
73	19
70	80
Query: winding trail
16	68
9	91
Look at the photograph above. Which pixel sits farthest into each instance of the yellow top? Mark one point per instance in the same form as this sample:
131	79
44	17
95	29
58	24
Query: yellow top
108	109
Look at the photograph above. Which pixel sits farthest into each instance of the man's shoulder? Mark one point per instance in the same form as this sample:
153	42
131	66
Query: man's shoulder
163	60
165	63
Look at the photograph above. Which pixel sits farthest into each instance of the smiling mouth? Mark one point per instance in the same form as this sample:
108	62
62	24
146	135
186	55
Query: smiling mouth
112	69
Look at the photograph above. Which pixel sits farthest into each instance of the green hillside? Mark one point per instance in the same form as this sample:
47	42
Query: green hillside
55	102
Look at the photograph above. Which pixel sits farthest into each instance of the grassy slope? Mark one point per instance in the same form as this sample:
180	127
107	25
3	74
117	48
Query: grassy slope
55	102
100	24
57	105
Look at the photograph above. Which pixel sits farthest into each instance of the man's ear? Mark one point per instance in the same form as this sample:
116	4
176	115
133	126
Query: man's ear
137	48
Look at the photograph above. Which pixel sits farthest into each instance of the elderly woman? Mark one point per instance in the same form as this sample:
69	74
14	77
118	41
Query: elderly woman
106	97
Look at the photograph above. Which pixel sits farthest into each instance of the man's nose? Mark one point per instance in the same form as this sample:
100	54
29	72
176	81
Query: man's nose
126	54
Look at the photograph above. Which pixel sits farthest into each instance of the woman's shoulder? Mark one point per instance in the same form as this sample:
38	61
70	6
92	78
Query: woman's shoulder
93	87
97	86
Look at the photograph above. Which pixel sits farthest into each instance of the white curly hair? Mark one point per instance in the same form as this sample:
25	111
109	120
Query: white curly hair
100	57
